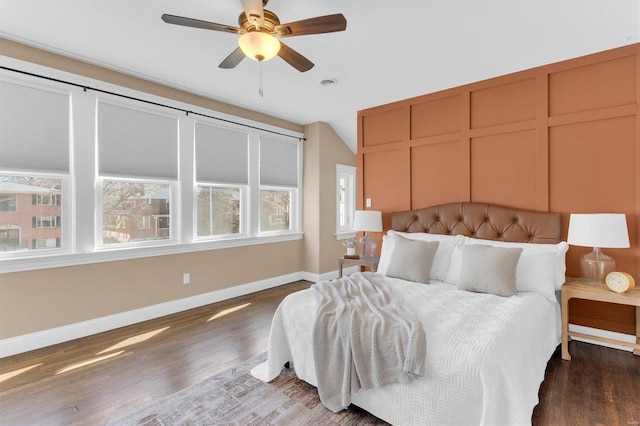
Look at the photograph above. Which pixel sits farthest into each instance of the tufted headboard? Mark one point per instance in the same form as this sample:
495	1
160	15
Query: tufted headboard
479	220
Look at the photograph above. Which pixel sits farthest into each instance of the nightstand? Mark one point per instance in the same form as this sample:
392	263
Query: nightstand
371	262
579	289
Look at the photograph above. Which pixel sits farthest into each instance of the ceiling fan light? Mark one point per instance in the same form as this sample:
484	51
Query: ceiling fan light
259	46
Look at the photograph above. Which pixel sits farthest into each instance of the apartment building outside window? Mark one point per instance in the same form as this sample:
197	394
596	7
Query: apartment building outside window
135	212
22	220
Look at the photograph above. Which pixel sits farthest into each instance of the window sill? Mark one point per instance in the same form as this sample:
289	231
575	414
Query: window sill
59	259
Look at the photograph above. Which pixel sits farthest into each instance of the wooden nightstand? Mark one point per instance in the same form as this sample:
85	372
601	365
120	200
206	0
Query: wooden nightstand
599	292
371	262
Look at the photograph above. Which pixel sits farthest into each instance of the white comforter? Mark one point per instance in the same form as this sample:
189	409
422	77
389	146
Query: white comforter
486	355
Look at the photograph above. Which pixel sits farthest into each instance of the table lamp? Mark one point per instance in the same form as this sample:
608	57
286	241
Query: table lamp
602	230
367	221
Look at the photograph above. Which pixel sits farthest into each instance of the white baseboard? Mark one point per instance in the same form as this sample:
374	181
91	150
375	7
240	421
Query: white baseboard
41	339
602	333
314	278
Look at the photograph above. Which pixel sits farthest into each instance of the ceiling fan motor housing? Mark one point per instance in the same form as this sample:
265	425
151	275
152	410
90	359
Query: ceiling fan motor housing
268	26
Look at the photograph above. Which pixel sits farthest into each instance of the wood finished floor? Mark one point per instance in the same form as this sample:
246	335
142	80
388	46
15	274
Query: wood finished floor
599	386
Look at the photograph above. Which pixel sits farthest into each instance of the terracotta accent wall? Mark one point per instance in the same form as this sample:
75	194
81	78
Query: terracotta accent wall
562	137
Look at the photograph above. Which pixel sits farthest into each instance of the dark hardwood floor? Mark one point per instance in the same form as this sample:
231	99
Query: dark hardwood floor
599	386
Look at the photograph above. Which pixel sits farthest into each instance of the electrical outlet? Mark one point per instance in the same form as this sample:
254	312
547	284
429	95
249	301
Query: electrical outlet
186	278
368	202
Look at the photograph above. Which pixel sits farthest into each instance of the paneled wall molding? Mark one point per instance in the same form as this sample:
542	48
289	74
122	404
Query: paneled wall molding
448	137
599	114
503	128
561	137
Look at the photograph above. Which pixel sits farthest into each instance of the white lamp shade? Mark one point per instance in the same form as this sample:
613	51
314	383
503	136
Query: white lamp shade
259	46
603	230
367	220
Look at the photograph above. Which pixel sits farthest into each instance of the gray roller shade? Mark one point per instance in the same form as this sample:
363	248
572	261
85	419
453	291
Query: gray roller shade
34	128
136	143
222	156
278	162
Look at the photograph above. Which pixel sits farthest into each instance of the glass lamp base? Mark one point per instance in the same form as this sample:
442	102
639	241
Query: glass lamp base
367	246
595	266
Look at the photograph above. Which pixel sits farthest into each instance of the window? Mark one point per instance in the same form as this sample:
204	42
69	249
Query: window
137	208
218	211
45	222
345	200
20	220
279	177
138	180
46	199
135	212
34	165
8	202
46	243
274	210
143	222
222	176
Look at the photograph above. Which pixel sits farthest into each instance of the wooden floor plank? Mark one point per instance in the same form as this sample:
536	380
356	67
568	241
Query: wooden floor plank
599	385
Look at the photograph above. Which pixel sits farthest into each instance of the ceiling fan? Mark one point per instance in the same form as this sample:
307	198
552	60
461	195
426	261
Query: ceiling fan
259	27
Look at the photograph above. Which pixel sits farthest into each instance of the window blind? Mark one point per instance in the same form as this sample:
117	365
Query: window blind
221	155
34	128
136	143
278	162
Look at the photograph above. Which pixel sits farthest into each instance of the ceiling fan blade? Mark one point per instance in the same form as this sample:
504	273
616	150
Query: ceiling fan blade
318	25
294	59
196	23
253	10
233	59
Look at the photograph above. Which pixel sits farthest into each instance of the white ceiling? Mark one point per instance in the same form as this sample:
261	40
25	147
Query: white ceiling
391	50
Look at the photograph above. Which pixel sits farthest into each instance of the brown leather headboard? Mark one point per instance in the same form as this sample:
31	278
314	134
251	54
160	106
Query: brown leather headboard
479	220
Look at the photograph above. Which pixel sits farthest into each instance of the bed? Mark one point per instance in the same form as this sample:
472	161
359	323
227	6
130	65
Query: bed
486	353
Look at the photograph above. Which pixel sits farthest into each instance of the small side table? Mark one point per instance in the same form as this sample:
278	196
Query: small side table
371	262
587	290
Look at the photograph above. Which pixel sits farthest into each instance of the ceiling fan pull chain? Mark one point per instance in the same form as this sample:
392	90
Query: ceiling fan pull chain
260	90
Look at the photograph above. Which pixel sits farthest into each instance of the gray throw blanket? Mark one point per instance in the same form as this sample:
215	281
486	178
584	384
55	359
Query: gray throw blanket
364	338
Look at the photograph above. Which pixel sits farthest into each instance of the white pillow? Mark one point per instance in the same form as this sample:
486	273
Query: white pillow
385	253
487	269
442	259
541	268
412	259
455	267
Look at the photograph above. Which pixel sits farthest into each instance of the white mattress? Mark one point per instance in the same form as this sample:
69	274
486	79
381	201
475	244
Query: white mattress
486	355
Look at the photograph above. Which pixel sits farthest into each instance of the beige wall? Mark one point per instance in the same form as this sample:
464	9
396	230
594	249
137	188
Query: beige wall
47	298
323	150
39	300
